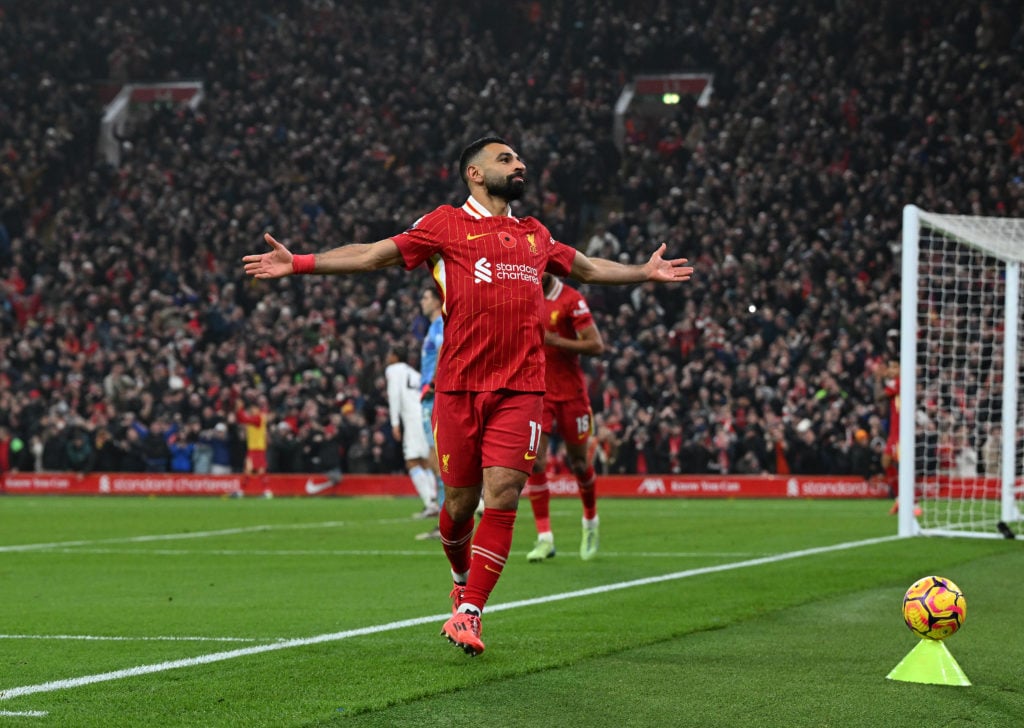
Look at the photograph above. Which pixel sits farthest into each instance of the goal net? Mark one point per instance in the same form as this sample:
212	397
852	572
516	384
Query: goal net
961	423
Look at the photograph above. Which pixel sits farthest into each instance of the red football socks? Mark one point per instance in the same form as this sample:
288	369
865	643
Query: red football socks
491	546
588	493
540	500
455	538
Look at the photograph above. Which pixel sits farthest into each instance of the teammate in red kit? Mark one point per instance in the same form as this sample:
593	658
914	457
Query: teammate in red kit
569	332
489	384
887	391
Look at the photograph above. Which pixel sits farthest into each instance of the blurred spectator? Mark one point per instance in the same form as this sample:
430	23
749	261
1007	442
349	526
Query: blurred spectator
321	452
182	450
360	458
134	458
80	456
54	449
966	458
154	443
863	460
216	439
385	454
284	451
108	454
991	452
602	243
804	451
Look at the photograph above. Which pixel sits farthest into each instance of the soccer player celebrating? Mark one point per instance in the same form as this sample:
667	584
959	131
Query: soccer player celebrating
569	332
489	385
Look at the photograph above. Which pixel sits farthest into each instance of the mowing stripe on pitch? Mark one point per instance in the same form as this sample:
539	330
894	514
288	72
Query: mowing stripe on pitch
402	624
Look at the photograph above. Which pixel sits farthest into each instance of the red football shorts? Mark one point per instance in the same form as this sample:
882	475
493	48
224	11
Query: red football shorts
572	419
477	430
256	461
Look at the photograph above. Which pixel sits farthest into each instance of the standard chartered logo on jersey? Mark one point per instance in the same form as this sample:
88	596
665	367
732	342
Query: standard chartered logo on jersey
485	272
482	271
510	272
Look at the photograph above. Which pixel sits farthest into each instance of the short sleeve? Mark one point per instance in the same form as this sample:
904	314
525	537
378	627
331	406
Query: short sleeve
580	314
422	240
561	258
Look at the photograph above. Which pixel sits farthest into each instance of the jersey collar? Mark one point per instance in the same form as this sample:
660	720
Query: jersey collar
556	290
475	209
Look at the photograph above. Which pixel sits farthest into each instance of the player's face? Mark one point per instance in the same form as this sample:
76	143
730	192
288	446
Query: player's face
428	304
504	172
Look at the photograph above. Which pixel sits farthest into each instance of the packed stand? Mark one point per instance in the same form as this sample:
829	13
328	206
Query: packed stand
129	340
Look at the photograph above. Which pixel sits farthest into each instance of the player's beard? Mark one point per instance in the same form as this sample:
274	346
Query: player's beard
507	188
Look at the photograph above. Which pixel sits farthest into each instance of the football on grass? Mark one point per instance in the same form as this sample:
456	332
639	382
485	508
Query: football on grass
934	608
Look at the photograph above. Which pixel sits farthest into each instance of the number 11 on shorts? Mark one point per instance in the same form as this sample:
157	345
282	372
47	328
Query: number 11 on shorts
534	447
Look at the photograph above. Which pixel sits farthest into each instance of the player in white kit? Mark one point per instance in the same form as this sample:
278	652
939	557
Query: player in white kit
407	426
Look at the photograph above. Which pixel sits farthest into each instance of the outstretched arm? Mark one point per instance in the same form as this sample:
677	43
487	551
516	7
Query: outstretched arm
587	341
355	258
657	268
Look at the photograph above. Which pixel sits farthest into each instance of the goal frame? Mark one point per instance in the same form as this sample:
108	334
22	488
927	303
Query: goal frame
913	220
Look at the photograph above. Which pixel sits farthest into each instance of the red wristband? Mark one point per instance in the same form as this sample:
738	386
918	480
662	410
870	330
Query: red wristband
303	263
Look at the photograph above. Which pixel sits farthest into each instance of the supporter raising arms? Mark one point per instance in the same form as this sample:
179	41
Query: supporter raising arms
489	384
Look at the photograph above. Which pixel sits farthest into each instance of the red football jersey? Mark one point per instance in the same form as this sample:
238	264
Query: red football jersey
892	391
487	269
565	313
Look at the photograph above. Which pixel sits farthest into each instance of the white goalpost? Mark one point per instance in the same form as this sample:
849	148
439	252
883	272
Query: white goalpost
961	426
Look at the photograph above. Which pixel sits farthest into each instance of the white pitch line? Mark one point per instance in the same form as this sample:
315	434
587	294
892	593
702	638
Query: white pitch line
23	713
189	535
213	657
65	684
248	552
118	638
378	552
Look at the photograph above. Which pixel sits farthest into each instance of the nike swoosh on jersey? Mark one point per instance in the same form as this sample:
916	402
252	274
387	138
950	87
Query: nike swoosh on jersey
528	456
316	488
474	237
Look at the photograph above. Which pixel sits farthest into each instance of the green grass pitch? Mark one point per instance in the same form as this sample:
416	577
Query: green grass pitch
323	612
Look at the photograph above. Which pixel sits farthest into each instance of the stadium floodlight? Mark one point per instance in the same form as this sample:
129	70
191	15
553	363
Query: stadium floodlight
137	99
646	99
961	446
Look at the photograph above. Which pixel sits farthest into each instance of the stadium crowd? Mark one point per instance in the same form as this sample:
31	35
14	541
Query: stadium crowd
130	340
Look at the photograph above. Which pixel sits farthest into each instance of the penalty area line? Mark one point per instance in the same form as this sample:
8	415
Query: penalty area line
65	684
